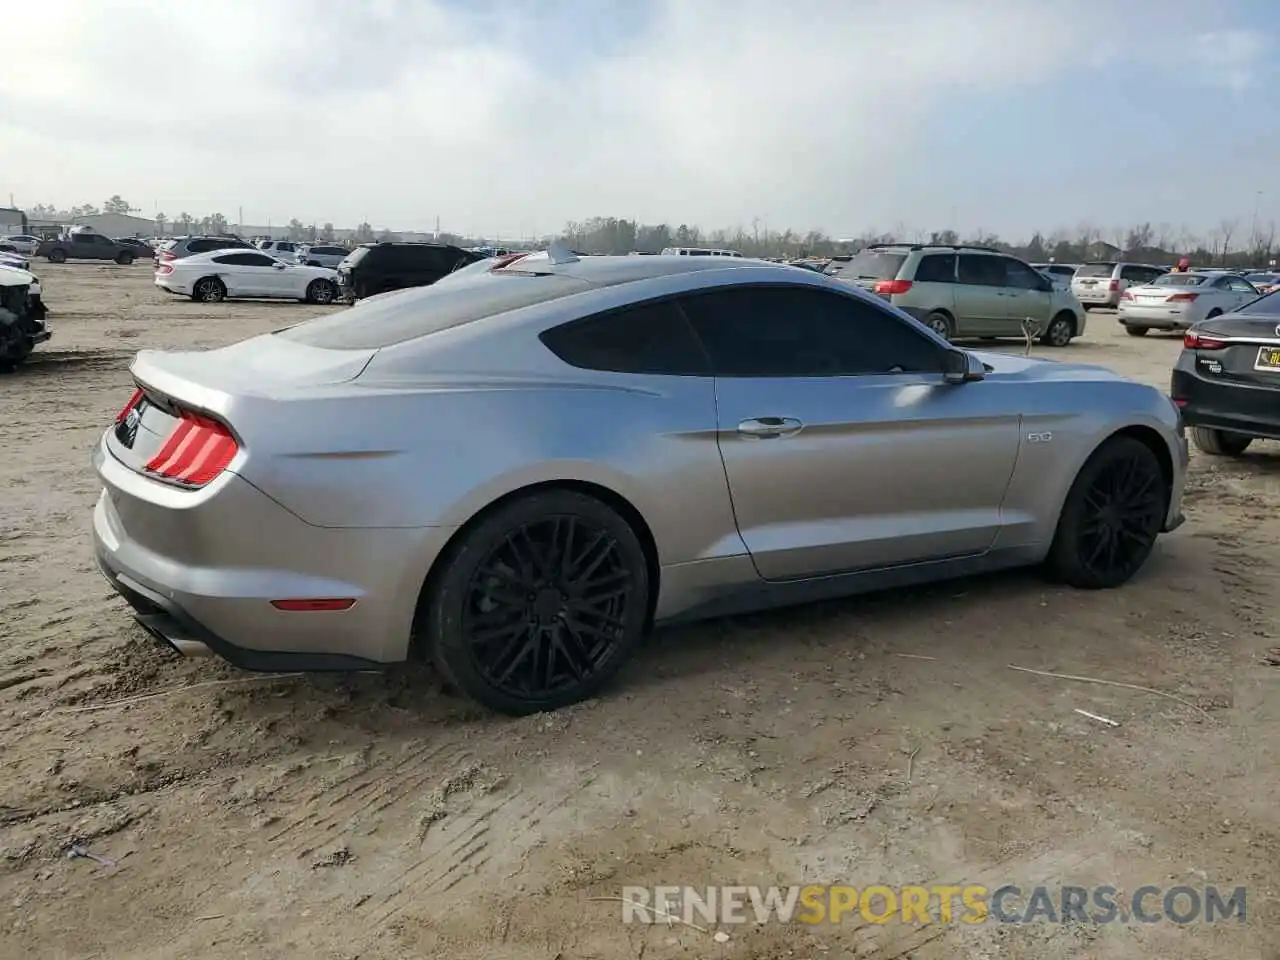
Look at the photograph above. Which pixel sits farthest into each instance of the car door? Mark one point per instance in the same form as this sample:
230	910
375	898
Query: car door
980	298
82	247
275	276
1028	297
843	446
1242	292
247	274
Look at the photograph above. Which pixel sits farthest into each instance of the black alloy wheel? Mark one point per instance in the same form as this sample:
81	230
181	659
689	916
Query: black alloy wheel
541	604
1111	517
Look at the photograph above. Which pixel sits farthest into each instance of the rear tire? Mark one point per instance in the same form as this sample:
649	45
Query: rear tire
941	324
1219	443
1111	517
540	604
209	290
320	291
1060	330
124	259
1136	331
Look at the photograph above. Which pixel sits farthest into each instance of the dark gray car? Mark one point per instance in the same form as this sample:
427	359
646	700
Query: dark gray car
85	245
186	246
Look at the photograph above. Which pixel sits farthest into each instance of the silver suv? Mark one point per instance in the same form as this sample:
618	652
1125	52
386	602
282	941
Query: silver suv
1101	283
186	246
962	291
321	255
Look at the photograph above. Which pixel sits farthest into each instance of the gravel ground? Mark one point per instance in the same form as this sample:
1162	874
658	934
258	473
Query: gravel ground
874	740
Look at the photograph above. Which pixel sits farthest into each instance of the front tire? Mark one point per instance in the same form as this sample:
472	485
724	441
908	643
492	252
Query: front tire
1060	331
1111	517
57	256
540	604
1136	331
209	290
1219	443
320	291
124	259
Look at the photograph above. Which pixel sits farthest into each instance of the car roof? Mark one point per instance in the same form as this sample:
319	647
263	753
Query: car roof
606	271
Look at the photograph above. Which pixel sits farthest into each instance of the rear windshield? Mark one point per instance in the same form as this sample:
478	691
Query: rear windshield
1179	280
380	323
1096	270
873	266
356	255
1268	304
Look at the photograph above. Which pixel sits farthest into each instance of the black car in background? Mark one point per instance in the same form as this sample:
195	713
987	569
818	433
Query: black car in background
374	268
1227	379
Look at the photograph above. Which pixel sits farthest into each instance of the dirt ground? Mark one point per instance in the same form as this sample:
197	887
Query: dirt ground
875	740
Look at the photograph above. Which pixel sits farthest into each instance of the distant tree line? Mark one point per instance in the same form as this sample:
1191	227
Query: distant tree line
1157	243
1227	244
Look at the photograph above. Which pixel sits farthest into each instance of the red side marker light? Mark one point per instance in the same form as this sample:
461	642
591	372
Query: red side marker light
315	605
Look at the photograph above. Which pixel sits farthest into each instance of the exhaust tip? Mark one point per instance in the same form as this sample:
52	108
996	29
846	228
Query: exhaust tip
189	648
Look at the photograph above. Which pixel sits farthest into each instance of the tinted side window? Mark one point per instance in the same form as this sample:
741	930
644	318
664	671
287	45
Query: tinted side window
1021	276
987	271
649	338
245	260
936	268
780	331
202	246
81	238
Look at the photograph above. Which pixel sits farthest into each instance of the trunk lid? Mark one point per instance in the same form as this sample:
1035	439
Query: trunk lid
1252	353
231	385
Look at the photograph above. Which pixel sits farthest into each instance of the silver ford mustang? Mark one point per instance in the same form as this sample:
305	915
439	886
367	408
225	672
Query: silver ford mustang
518	472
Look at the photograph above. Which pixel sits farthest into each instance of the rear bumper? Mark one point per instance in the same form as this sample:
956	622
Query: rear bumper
1157	318
1233	407
202	567
1097	298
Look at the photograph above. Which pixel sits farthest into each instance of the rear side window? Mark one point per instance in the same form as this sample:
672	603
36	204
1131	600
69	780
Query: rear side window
203	246
377	323
1096	270
650	338
873	266
980	270
936	268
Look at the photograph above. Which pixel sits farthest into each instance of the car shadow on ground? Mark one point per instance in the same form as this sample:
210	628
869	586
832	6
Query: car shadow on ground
870	629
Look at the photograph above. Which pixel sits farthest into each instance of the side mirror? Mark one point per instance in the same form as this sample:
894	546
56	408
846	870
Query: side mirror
280	266
960	366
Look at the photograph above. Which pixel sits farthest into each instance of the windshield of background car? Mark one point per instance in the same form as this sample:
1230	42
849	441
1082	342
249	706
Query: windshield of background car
1268	304
1263	278
872	266
1096	270
373	324
1179	280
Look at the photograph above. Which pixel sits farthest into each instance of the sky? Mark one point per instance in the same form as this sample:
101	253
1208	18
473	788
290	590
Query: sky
510	119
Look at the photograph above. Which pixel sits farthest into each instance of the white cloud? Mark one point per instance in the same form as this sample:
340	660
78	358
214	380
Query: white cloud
712	112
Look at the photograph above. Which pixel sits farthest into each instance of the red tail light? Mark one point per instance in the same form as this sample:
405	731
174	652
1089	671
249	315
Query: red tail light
198	450
1198	341
1115	285
890	288
1126	295
133	402
164	268
168	256
1182	298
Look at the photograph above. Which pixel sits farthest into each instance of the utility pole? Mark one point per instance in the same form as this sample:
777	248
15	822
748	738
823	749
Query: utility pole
1253	234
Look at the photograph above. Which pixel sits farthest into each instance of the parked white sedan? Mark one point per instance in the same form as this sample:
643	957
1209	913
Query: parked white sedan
22	243
1177	300
236	272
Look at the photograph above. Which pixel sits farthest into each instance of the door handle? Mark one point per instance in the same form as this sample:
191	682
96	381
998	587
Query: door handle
768	428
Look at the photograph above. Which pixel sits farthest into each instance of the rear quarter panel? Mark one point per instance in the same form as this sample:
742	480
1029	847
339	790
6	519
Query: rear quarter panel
398	452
